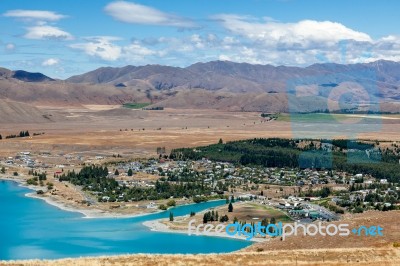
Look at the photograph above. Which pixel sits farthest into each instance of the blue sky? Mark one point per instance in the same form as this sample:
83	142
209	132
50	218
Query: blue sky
67	37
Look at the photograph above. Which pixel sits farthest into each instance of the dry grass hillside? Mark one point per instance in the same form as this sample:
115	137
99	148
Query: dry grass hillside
59	93
327	257
389	221
16	112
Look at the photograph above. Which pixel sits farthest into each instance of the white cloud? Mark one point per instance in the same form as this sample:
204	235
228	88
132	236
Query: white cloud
100	46
50	62
105	48
300	35
10	47
224	57
46	32
140	14
34	15
40	30
137	52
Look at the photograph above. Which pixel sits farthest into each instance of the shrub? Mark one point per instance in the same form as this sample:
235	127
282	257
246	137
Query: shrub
171	203
50	186
199	199
32	182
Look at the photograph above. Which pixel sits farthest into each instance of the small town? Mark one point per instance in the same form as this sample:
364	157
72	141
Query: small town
304	195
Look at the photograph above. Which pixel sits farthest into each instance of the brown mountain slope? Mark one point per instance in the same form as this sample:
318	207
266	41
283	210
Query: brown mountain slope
216	85
15	112
254	102
383	77
58	93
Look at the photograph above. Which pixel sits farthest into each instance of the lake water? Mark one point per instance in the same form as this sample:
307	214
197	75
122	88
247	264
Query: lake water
31	228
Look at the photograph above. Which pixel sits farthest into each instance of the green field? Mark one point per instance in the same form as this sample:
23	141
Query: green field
280	216
312	117
327	118
135	105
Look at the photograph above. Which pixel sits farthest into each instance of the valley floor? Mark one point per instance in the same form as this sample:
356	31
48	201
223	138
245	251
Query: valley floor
137	134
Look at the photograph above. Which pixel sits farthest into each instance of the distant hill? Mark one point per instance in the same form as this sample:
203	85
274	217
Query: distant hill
245	78
220	85
30	77
23	75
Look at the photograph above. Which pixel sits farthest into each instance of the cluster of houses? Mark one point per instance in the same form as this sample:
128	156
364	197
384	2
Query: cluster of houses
21	159
212	172
387	196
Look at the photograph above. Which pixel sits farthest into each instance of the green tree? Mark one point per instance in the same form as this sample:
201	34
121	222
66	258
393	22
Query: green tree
171	217
116	172
130	172
264	222
230	207
3	170
206	217
220	141
171	203
224	218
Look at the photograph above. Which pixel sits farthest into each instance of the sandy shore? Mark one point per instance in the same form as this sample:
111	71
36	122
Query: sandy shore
87	213
157	226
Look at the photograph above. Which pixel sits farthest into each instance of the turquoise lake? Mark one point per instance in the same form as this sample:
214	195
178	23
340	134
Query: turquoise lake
31	228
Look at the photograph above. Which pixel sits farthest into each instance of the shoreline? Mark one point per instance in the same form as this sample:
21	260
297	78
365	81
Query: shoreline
87	213
157	226
151	225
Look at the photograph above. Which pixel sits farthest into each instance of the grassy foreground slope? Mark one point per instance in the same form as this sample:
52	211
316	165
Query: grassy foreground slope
328	257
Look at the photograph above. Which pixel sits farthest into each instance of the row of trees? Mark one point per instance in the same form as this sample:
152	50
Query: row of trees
210	216
21	134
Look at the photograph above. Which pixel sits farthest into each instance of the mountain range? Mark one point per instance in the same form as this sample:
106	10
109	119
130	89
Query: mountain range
218	85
